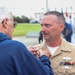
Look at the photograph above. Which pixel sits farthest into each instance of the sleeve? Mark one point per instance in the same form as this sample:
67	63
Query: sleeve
45	60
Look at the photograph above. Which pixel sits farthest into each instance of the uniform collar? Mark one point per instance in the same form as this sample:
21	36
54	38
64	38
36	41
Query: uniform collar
63	47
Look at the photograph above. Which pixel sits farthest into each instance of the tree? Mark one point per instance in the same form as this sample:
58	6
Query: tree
22	19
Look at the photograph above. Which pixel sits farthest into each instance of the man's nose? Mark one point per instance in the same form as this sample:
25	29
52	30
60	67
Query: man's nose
43	28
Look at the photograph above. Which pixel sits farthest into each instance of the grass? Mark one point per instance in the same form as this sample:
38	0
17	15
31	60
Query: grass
24	28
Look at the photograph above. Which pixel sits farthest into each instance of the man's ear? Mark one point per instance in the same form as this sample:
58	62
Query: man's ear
62	26
5	22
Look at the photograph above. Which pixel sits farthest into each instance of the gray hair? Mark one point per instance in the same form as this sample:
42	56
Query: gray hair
60	16
5	13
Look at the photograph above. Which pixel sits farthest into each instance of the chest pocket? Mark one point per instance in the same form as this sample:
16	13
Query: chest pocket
63	68
67	70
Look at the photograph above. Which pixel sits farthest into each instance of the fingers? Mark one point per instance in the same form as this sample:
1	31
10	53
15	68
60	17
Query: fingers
43	52
32	48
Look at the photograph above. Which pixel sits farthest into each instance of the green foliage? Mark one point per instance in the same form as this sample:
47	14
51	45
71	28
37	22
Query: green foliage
24	28
22	19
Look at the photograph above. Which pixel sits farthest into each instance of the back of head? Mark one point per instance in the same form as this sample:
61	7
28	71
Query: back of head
4	13
60	17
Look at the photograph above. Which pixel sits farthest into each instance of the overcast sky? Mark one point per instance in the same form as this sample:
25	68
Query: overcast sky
29	7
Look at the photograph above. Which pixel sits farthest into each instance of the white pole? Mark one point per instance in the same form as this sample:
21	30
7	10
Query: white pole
46	5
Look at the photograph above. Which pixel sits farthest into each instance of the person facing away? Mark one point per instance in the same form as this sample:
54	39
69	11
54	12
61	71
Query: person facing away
40	38
67	32
62	52
15	59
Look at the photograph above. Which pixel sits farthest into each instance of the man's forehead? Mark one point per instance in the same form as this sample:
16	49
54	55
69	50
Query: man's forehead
49	18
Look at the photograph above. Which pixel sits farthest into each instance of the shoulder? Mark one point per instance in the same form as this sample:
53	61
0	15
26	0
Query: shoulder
70	45
19	48
65	44
15	45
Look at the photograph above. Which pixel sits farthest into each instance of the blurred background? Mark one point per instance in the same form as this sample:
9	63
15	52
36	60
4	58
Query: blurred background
33	9
28	15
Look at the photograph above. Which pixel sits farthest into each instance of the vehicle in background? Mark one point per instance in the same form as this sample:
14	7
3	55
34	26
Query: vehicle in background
34	21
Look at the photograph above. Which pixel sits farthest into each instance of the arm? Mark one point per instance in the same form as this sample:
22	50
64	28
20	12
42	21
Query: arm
44	58
34	66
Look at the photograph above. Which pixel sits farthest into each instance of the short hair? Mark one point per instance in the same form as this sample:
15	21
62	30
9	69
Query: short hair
60	17
5	13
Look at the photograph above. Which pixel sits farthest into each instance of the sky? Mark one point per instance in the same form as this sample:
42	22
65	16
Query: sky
29	7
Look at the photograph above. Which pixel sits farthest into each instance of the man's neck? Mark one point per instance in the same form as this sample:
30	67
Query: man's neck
54	43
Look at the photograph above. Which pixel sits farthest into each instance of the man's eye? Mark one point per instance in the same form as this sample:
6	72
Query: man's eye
47	25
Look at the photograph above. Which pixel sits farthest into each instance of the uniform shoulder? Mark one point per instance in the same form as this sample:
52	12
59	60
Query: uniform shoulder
72	46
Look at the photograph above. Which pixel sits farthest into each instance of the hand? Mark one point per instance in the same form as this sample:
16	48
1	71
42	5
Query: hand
44	52
33	49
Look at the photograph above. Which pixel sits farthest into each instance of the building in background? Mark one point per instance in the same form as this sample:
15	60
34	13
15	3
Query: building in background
67	12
